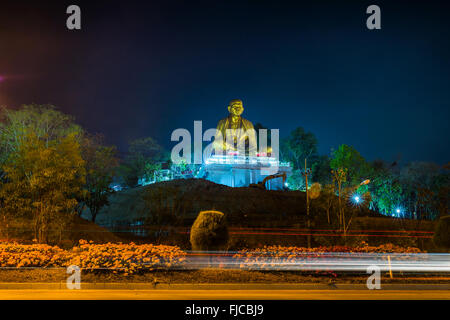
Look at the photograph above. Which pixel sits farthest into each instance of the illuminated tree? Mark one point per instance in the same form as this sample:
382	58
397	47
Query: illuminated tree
347	157
48	125
44	179
45	121
339	178
296	181
327	198
385	189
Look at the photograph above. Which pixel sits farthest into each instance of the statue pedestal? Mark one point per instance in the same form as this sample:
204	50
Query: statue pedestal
239	171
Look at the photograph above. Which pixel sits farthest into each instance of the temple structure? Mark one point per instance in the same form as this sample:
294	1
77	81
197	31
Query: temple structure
236	160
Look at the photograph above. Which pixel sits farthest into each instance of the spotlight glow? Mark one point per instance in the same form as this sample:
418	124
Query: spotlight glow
357	199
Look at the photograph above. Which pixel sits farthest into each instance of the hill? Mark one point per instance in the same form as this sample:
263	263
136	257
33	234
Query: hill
185	198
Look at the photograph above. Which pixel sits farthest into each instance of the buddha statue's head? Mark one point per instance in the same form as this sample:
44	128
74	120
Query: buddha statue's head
235	108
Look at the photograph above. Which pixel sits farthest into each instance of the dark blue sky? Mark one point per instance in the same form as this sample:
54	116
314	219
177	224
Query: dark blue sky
145	68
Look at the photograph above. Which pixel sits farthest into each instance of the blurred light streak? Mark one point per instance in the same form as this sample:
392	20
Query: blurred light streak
331	230
324	234
327	261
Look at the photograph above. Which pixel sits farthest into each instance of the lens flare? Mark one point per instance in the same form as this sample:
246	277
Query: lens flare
357	199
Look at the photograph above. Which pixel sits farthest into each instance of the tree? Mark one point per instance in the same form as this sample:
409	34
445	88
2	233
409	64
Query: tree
300	145
44	179
100	162
339	178
348	170
385	187
45	121
321	170
296	181
48	127
424	185
442	234
141	153
347	157
327	199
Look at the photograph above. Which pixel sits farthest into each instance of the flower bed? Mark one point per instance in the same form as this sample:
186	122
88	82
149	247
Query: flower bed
132	258
126	258
270	256
13	255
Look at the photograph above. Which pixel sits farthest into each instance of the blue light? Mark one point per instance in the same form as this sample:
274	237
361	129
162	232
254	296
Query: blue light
357	199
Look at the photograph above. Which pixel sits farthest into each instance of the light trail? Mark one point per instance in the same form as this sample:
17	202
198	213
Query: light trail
315	261
357	262
323	234
331	230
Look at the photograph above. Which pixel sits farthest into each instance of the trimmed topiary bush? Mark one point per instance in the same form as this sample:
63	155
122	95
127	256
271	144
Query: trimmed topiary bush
209	231
442	233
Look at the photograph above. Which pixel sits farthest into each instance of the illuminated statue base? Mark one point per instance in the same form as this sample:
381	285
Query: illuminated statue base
239	171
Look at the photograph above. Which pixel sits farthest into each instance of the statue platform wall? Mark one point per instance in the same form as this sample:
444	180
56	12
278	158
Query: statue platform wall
235	171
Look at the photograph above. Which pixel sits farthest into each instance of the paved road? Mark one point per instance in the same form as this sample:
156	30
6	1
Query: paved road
223	294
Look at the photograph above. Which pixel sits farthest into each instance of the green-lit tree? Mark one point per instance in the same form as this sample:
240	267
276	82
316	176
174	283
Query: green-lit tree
385	188
347	157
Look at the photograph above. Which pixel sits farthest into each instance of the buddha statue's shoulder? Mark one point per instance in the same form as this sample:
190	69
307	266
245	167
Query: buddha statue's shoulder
223	123
247	124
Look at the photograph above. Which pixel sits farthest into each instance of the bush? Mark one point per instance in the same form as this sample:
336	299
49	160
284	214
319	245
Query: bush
209	231
442	233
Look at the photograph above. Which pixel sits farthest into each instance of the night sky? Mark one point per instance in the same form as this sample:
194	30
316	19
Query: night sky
145	68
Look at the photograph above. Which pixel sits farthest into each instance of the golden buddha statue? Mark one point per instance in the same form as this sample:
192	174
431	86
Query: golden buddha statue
238	135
